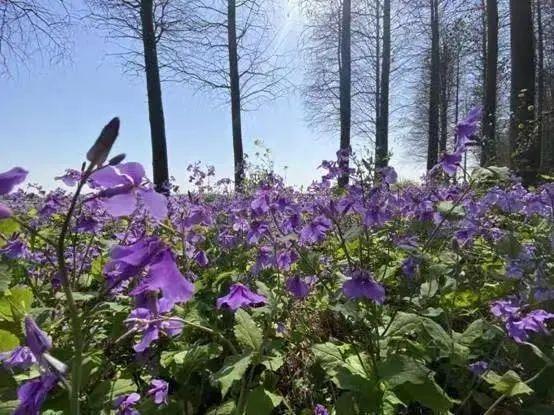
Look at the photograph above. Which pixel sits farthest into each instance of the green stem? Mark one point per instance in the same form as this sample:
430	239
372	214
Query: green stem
75	406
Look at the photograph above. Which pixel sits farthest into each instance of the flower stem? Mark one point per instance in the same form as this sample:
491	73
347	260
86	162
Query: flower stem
75	406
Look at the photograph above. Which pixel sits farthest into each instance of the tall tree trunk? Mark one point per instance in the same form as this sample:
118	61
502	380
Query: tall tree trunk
546	162
155	104
457	99
488	150
377	65
235	93
382	141
345	90
523	140
444	62
434	93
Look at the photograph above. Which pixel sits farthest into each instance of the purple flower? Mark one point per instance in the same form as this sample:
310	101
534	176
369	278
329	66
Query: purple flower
468	126
517	325
300	287
164	276
37	340
286	258
479	367
535	321
5	212
265	259
87	224
201	258
159	389
504	309
388	174
197	215
8	180
21	357
450	162
260	204
15	248
464	131
121	189
362	285
52	204
125	405
70	178
315	231
32	394
129	261
320	410
409	267
240	296
256	231
11	178
150	323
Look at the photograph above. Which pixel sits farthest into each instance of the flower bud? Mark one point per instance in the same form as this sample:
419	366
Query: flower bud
114	161
98	153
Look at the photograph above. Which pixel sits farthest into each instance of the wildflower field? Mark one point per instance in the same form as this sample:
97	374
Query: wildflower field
374	298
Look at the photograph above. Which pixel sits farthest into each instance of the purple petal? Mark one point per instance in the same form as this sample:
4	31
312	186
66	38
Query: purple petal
120	205
165	276
150	334
11	178
134	171
108	177
155	202
5	212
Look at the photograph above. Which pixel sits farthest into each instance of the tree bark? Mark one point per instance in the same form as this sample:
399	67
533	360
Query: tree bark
382	142
345	91
377	67
235	94
488	150
434	93
524	142
155	104
546	162
444	62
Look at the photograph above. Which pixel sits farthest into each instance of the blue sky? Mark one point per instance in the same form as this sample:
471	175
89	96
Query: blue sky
51	114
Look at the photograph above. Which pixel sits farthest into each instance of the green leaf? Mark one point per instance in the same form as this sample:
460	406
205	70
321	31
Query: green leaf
509	383
477	330
429	289
329	356
247	333
403	323
448	209
8	226
105	392
399	369
346	404
226	408
391	403
273	362
406	323
261	402
429	394
194	357
233	369
8	407
8	341
15	303
5	278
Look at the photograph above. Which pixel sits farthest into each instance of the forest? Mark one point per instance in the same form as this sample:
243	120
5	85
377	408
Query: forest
364	291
